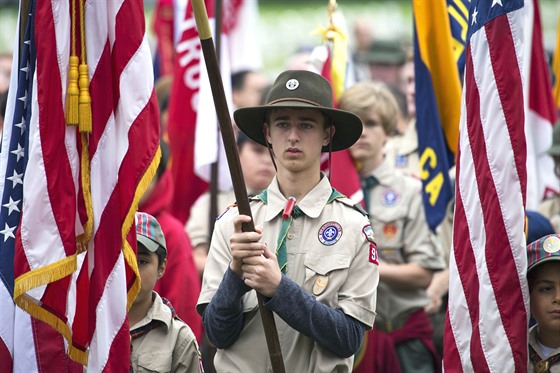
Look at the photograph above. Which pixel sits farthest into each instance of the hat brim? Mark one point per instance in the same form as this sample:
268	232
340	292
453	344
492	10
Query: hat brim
348	126
149	244
542	261
554	150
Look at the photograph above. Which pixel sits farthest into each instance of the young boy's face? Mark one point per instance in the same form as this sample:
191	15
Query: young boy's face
297	136
258	169
545	296
150	272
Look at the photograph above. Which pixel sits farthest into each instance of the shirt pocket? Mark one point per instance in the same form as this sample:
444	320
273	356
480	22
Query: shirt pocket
325	273
154	362
388	227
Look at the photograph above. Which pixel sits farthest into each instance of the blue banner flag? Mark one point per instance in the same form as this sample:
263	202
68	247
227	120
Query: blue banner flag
440	31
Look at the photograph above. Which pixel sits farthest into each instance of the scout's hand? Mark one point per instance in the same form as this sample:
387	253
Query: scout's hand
244	244
262	273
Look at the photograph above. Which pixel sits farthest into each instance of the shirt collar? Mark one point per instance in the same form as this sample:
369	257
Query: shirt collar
311	205
157	312
383	173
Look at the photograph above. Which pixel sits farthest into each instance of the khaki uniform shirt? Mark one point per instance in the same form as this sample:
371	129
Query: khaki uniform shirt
337	272
551	209
555	368
170	347
198	224
402	236
402	150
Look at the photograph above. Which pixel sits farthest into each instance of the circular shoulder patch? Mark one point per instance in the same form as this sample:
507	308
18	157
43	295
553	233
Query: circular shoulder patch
389	197
292	84
330	233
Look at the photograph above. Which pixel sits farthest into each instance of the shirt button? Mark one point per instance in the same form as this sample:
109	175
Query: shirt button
290	236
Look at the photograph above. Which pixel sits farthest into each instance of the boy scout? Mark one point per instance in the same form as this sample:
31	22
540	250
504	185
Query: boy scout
322	285
543	276
407	254
161	342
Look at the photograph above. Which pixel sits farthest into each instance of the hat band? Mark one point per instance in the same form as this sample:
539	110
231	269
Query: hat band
296	99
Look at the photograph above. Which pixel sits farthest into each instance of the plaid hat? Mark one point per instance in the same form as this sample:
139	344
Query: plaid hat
300	89
149	233
543	250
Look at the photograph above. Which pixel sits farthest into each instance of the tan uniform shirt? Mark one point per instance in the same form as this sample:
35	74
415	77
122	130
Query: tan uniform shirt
336	270
551	209
197	225
170	347
555	368
402	236
402	150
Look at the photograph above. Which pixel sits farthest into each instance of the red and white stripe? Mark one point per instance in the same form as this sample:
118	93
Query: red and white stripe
486	327
540	112
90	302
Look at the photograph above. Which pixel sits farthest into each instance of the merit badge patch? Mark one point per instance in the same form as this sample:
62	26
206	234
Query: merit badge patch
389	197
330	233
551	244
389	230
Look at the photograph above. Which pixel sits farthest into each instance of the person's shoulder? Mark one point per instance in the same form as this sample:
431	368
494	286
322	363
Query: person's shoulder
352	211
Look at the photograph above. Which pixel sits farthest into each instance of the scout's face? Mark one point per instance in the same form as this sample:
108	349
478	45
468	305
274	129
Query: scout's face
150	272
258	169
545	296
408	87
297	136
370	144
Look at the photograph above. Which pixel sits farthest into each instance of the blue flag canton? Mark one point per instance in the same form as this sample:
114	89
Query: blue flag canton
16	155
483	11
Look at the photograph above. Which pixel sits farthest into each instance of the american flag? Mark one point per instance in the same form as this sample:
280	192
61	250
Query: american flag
486	327
84	296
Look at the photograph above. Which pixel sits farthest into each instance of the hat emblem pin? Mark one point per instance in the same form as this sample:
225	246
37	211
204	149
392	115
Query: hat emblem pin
292	84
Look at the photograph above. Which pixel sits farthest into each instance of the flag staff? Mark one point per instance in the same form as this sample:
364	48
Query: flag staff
234	164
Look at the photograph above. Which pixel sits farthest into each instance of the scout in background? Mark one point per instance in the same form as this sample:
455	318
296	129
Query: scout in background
314	261
543	277
161	342
408	253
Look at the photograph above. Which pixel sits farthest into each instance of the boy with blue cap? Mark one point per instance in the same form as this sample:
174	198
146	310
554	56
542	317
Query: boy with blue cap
543	277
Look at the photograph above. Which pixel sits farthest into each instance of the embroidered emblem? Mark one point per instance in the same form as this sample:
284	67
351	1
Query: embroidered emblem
389	197
368	232
330	233
292	84
320	285
551	244
389	230
401	161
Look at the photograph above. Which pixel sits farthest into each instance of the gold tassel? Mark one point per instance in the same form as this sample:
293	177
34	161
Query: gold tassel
85	100
72	93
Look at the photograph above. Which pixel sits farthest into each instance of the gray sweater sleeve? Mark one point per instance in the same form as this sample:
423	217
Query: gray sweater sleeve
331	328
223	317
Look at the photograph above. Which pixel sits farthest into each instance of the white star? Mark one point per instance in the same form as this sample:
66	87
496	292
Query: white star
494	2
22	125
12	206
27	41
26	71
24	99
16	179
19	152
475	13
8	232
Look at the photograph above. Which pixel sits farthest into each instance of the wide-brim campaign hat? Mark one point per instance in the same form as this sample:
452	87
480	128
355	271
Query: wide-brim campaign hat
300	89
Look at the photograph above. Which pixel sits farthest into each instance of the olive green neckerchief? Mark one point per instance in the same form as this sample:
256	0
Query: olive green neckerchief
281	251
